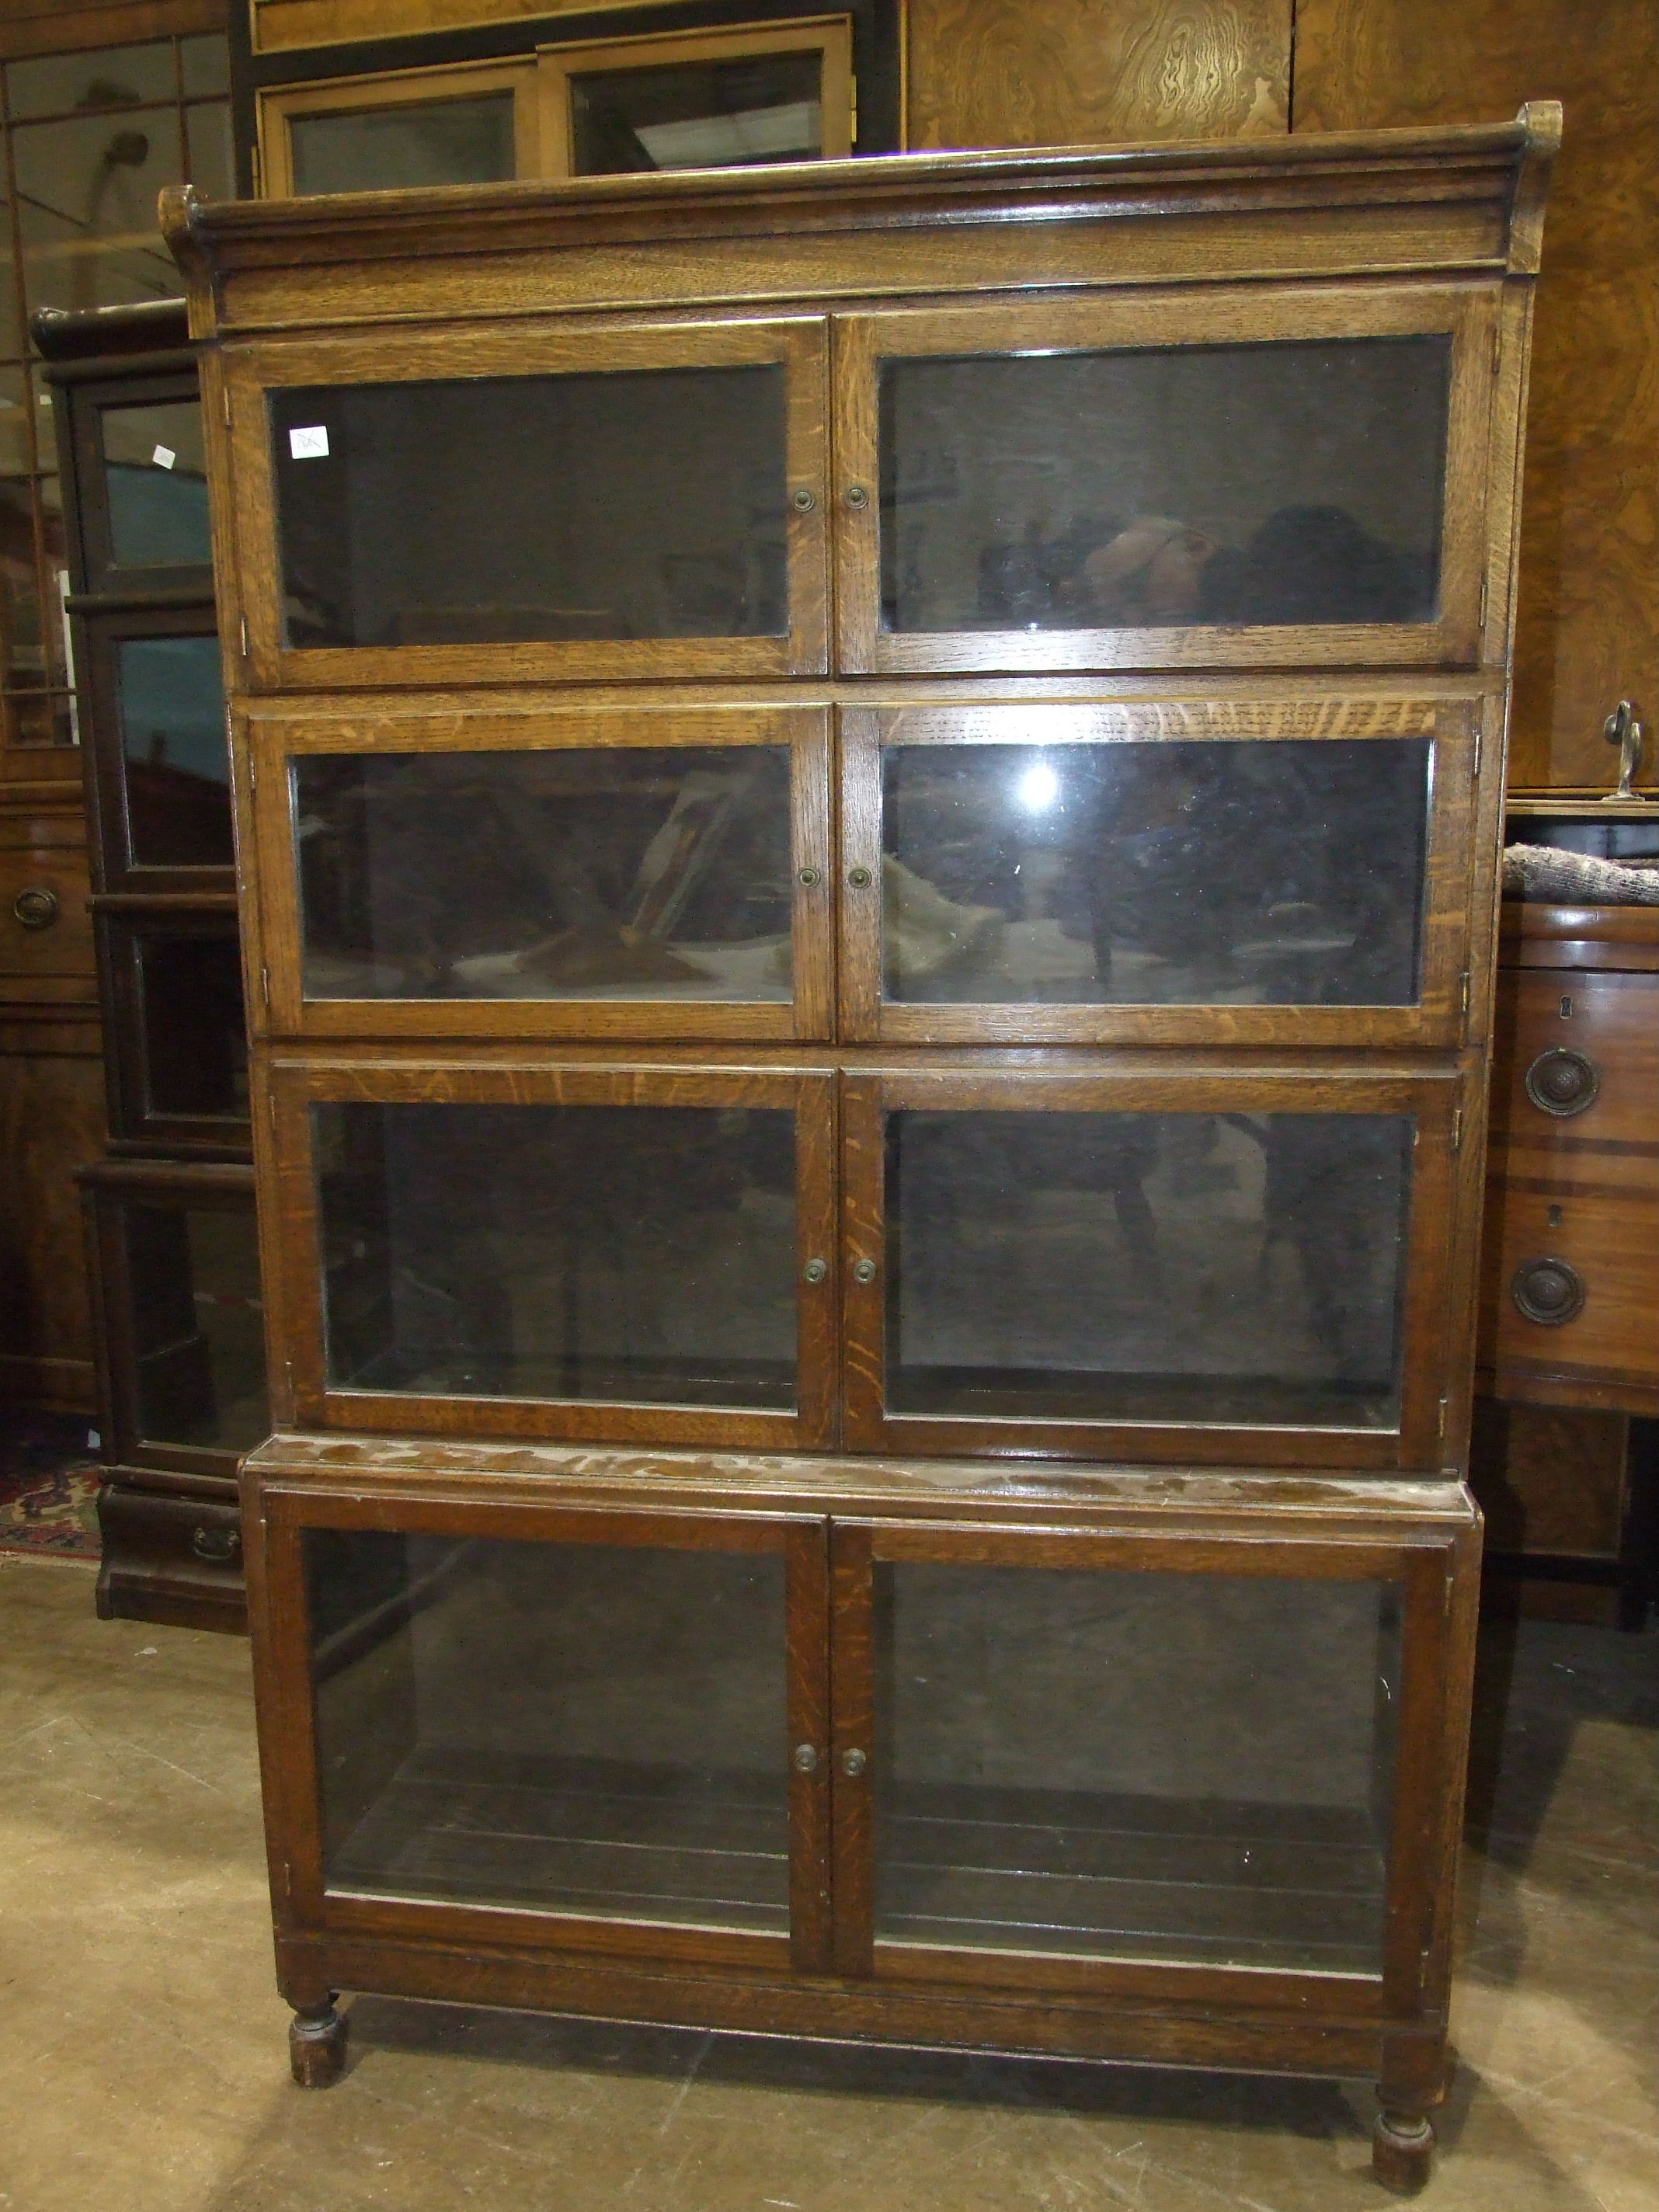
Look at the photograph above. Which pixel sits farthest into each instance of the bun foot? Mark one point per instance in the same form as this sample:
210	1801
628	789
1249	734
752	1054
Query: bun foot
316	2047
1402	2151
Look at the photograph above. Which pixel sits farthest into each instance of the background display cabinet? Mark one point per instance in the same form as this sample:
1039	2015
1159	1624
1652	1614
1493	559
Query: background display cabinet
870	799
169	1212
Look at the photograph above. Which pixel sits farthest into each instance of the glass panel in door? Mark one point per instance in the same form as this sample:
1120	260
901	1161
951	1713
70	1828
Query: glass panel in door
193	1282
698	115
175	759
623	1253
1164	487
1135	1765
1238	1268
626	504
564	1728
155	485
613	873
1166	874
194	1028
404	147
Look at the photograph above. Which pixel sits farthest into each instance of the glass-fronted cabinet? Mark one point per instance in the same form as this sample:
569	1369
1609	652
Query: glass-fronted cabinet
1223	1267
1159	871
642	501
582	1252
1094	1761
1120	485
623	872
164	804
177	1069
141	512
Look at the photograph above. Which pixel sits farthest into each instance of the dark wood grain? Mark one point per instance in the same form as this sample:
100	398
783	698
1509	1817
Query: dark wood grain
998	73
1589	617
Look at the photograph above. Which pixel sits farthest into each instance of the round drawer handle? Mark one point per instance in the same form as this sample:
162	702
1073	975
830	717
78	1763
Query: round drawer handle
1548	1291
219	1546
1561	1081
36	907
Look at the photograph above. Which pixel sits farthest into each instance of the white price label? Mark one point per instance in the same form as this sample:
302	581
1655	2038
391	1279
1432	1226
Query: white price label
310	443
164	457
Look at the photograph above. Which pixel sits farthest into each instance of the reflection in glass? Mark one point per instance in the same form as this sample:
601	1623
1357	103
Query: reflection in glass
173	742
573	1728
86	192
631	1253
1191	1767
614	873
698	115
155	482
193	1275
1282	873
430	141
195	1033
1298	482
640	503
1192	1267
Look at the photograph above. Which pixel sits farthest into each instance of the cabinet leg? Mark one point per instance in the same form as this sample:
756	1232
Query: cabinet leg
316	2047
1402	2151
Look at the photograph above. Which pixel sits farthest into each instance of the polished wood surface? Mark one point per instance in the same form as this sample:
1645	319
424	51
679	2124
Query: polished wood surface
1589	626
51	1122
1551	1480
1579	1005
1386	235
1002	73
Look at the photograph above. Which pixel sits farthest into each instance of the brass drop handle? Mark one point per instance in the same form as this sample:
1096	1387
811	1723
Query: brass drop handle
1563	1082
36	907
218	1546
1622	729
1549	1292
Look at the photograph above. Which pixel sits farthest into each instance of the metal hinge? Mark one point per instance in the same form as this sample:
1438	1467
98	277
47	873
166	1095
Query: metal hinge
265	987
1457	1128
1474	765
1465	994
1483	602
224	397
244	630
1440	1425
252	775
270	1111
1497	350
853	112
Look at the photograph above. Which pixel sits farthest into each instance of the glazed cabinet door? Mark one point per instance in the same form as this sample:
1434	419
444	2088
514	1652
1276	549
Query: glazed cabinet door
175	1265
635	501
153	708
176	1030
1110	483
588	1252
1159	872
141	476
1096	1763
596	873
548	1726
1231	1267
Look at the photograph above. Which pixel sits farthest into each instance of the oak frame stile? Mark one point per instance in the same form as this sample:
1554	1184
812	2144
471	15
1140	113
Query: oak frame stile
822	265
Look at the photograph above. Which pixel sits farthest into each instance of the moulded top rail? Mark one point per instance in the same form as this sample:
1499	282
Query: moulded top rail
1467	197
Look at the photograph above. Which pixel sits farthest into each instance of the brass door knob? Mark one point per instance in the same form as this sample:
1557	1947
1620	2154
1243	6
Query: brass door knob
1562	1082
1548	1291
36	907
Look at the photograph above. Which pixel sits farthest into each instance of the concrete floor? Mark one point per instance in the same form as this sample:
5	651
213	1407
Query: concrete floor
143	2044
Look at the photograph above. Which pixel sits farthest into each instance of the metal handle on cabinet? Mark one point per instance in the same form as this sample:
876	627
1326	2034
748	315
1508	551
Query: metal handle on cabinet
1622	729
853	1764
805	1760
1549	1292
857	496
36	907
219	1546
1563	1082
863	1271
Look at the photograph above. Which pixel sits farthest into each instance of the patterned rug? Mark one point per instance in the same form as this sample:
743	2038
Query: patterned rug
48	1487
